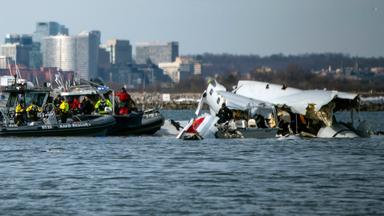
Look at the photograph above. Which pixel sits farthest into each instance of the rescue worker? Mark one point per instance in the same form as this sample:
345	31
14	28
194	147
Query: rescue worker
260	121
57	100
32	111
224	114
124	99
20	113
126	103
284	121
102	106
123	95
86	106
75	105
64	109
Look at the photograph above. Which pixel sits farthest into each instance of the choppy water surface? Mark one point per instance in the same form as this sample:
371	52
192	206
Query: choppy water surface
163	176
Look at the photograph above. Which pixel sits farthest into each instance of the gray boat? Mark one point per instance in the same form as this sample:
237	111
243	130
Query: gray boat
47	123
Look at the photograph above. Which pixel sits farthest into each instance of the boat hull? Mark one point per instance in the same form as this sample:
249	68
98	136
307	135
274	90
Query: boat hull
133	124
92	127
136	124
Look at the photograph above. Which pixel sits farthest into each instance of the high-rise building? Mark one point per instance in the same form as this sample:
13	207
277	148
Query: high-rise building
120	51
45	29
73	53
156	52
24	39
17	47
60	51
35	56
87	54
17	52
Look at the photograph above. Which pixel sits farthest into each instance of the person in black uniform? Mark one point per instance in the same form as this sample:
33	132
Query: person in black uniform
224	114
86	106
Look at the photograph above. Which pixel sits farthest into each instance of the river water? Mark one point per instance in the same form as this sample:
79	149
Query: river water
159	175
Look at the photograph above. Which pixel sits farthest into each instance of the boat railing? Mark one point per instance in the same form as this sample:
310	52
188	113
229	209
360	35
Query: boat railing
6	116
49	117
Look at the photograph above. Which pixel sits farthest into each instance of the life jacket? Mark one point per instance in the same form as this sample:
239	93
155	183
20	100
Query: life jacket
123	111
102	105
64	107
123	96
32	109
75	104
19	109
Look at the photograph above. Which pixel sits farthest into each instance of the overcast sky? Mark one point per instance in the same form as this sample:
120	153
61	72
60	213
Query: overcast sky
261	27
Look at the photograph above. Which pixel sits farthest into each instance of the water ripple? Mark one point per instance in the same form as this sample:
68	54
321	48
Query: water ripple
165	176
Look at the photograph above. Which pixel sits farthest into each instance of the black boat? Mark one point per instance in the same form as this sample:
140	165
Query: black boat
145	122
135	123
47	123
92	127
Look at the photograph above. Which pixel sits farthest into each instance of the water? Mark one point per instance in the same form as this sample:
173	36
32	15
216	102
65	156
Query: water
164	176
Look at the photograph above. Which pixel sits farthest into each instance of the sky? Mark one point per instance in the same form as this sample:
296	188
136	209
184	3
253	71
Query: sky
260	27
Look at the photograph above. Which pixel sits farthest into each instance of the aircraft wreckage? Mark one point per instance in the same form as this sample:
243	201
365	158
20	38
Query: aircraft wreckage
265	110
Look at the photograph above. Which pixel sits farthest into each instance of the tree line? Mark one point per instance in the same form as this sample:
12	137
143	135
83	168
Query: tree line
292	70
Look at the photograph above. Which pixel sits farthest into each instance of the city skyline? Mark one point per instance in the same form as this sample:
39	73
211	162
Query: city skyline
352	27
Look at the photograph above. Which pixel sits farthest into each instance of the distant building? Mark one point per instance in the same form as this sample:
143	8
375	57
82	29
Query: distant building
120	51
87	54
135	76
35	56
22	39
104	58
39	76
73	53
17	52
156	52
181	68
45	29
5	61
195	65
152	75
17	47
60	52
378	70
